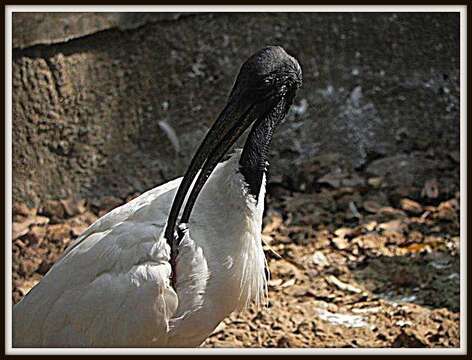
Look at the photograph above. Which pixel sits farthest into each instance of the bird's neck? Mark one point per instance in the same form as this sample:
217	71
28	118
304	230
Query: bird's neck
225	270
253	161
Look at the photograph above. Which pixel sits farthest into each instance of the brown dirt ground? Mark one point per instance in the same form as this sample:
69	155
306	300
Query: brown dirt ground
355	261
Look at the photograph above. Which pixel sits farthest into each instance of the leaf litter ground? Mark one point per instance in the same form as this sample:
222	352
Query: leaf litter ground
358	258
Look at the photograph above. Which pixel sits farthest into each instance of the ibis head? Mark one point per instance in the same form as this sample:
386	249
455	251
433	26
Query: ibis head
261	96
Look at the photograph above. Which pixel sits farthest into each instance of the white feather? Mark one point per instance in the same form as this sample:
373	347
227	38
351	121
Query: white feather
111	287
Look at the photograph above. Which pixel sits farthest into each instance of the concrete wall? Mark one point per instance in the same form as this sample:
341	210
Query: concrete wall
94	95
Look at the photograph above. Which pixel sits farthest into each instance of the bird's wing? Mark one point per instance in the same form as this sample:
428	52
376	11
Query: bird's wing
157	196
110	288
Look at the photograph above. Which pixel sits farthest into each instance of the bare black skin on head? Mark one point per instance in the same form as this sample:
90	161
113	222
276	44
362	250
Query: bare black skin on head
283	74
261	96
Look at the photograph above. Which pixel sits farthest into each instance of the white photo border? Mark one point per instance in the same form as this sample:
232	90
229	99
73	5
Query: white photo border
9	9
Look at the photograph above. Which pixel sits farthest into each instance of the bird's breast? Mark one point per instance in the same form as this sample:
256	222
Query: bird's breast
221	261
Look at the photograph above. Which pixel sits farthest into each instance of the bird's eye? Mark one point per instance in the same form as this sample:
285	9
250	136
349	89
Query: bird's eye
267	83
269	80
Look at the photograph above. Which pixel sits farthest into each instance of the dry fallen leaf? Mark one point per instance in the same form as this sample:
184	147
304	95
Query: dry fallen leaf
23	210
22	228
73	206
375	182
320	259
58	232
411	206
340	243
393	225
341	285
288	283
371	206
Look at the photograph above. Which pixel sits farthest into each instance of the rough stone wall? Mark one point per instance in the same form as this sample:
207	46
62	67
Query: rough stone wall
94	95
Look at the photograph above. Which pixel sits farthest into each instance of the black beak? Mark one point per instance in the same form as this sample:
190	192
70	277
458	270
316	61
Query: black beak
235	118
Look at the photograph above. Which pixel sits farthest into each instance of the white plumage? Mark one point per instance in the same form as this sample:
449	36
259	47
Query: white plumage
111	287
120	284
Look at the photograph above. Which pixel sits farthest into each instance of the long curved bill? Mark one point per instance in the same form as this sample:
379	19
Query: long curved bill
230	125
